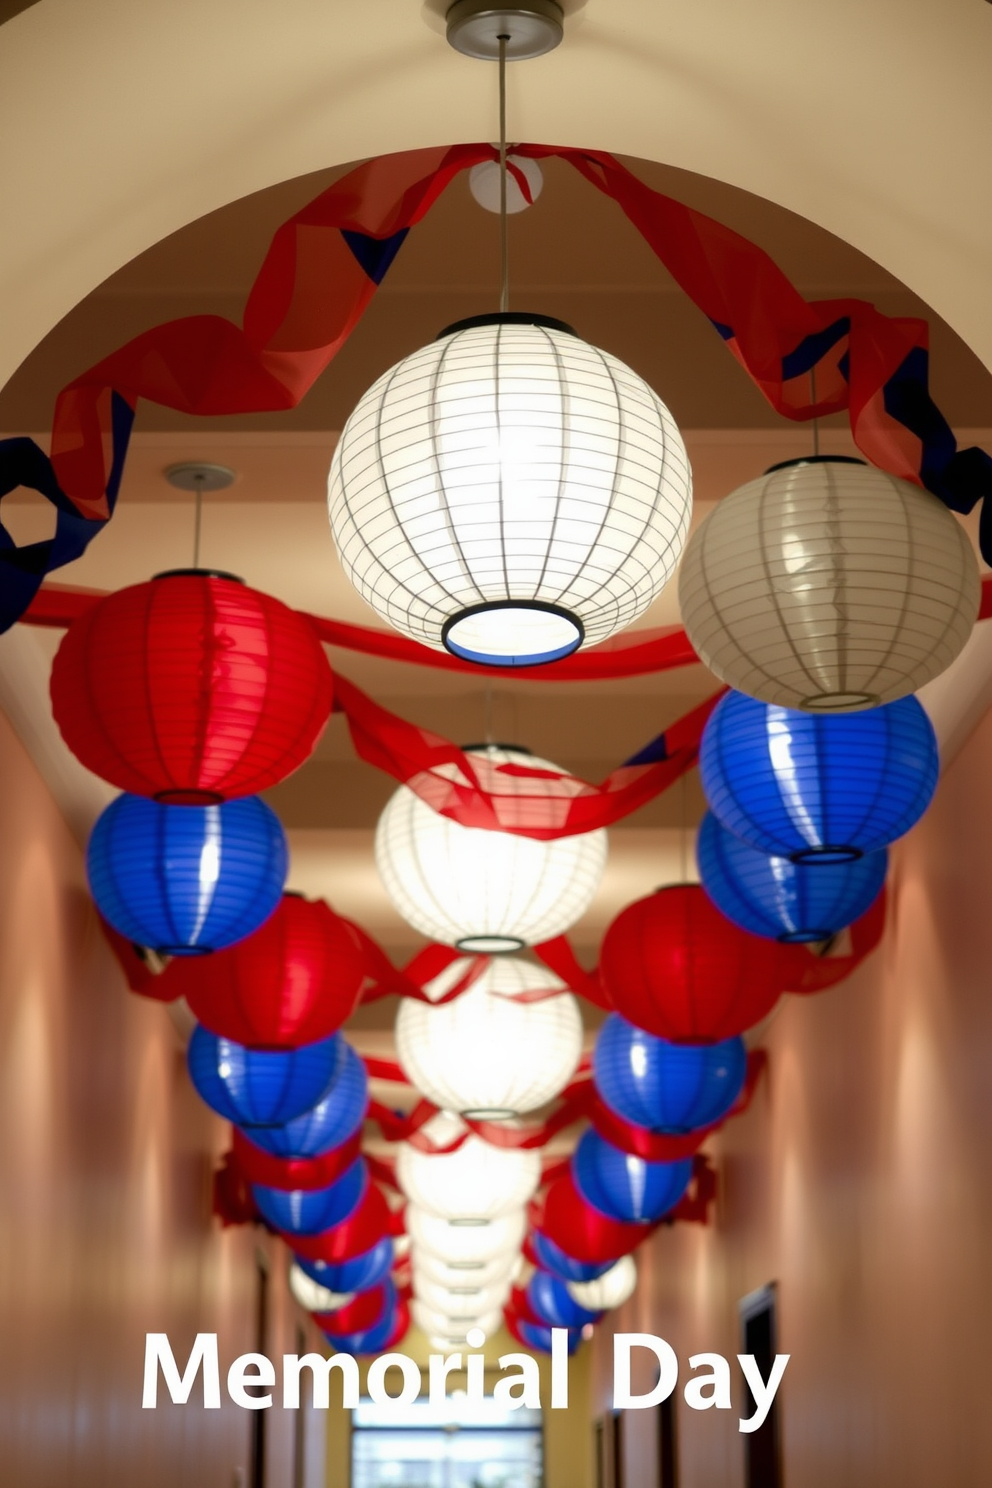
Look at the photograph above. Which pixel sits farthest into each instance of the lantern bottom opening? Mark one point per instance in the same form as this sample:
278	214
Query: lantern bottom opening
840	702
490	945
826	854
182	950
488	1113
180	797
513	633
805	937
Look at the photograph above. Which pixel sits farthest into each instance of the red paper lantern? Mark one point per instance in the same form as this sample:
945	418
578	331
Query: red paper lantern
673	965
292	982
191	688
301	1173
369	1224
363	1311
579	1229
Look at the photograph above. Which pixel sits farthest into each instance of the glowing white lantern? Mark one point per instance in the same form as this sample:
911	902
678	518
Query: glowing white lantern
488	891
313	1297
829	585
465	1298
466	1244
476	1181
485	1054
503	1268
609	1290
453	1327
509	492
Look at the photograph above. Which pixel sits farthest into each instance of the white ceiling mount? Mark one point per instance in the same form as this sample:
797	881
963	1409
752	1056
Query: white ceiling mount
200	475
534	28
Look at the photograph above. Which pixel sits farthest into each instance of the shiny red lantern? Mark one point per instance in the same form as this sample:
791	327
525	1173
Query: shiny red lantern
580	1230
191	688
673	965
306	1173
370	1223
363	1311
292	982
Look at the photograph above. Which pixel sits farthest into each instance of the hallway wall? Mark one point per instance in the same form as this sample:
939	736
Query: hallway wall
860	1181
105	1186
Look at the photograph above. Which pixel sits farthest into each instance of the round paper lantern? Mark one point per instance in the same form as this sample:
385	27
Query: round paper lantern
564	1216
552	1303
476	1181
828	585
311	1211
487	891
363	1311
537	1338
551	1257
360	1232
332	1120
311	1296
608	1291
186	880
486	1054
785	901
675	966
356	1275
465	1297
509	492
456	1243
812	788
453	1327
625	1187
259	1087
295	980
666	1087
369	1339
502	1268
192	688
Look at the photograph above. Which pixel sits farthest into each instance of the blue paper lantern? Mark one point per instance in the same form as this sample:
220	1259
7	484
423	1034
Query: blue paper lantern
623	1186
779	899
666	1088
538	1339
312	1211
817	787
186	880
356	1275
259	1087
370	1340
552	1258
328	1124
549	1299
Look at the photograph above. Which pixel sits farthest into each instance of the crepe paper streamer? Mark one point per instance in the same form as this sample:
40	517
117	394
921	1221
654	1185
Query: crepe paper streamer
259	1166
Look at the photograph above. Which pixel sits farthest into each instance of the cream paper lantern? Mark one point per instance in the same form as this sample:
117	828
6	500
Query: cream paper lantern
502	1268
829	585
458	1299
453	1327
466	1244
610	1290
509	492
486	1055
313	1297
488	891
476	1181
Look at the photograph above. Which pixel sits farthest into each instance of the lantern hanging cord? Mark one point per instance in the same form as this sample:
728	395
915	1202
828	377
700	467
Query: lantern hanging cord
504	247
197	517
816	418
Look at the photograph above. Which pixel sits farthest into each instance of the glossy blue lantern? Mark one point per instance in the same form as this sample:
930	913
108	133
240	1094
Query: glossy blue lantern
371	1340
312	1211
663	1087
552	1258
259	1087
779	899
818	788
336	1116
550	1300
356	1275
538	1339
623	1186
186	880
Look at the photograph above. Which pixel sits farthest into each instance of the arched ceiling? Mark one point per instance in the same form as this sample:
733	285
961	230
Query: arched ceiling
132	120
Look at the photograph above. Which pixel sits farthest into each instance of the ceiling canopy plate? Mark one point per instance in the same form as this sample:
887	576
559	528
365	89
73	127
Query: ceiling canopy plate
532	29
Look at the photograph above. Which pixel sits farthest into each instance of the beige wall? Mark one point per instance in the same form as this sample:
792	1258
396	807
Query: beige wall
105	1173
860	1182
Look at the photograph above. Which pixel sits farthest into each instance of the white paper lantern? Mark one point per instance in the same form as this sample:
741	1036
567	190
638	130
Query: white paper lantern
509	492
464	1298
829	585
464	1244
476	1181
486	1055
453	1327
487	891
313	1297
502	1268
610	1290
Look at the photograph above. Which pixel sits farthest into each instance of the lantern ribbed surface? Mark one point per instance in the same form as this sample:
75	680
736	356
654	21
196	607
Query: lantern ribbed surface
623	1186
509	491
186	880
677	967
454	1243
331	1120
467	1295
311	1296
295	980
311	1211
487	1054
259	1087
665	1087
486	891
789	902
610	1290
475	1181
191	688
550	1300
829	585
355	1275
455	1273
812	787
